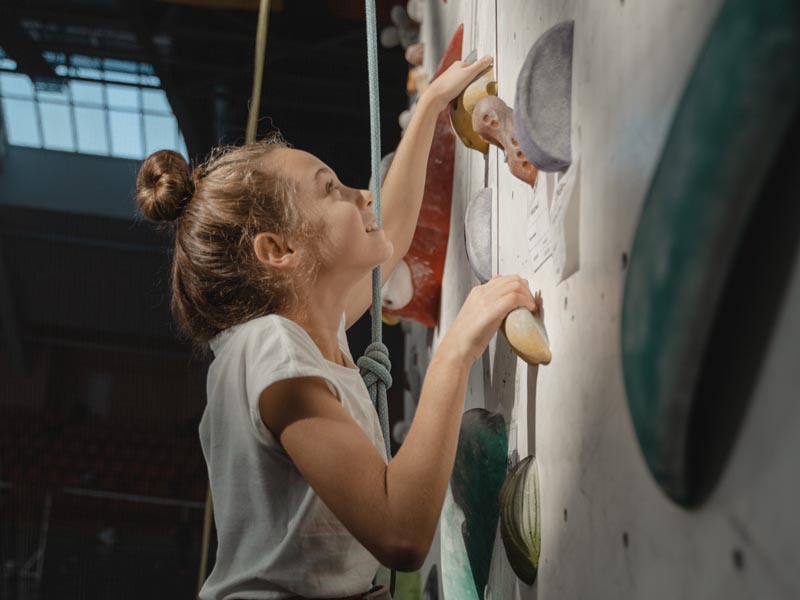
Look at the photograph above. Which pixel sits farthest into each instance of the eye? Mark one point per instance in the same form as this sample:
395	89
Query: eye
329	187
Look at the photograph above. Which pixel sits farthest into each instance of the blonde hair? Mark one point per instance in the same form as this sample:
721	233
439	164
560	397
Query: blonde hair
216	211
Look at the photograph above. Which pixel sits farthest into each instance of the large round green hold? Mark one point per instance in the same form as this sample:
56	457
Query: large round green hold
519	519
680	348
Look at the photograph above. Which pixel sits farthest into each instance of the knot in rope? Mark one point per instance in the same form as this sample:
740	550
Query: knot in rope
375	366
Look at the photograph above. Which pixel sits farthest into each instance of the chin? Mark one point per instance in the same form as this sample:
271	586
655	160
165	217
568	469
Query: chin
390	251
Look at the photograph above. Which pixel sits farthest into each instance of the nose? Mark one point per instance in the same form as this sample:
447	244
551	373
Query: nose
366	198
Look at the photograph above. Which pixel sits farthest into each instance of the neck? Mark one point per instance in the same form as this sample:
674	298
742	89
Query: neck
321	317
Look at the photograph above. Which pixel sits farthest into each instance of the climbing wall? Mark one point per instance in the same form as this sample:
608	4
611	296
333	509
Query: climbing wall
608	530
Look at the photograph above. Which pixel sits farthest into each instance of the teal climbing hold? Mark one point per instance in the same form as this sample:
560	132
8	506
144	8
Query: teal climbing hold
736	110
478	474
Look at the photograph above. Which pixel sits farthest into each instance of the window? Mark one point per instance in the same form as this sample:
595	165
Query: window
106	107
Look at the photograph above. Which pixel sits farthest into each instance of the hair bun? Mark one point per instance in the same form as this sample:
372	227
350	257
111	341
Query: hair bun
163	186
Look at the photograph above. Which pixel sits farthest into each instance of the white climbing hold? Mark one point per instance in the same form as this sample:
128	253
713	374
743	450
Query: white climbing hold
399	288
478	234
416	10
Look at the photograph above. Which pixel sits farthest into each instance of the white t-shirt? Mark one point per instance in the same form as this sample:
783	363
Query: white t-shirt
276	538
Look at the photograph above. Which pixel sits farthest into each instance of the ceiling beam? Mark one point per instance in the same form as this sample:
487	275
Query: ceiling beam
18	45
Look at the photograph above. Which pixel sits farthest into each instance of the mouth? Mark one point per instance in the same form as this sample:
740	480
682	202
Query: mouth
372	226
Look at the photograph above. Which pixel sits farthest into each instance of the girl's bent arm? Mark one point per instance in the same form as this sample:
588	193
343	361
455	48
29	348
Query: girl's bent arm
392	510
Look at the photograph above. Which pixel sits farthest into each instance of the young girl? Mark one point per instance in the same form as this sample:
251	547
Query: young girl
272	263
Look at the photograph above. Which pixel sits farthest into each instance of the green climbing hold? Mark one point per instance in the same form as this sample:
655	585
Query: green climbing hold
738	107
478	474
519	519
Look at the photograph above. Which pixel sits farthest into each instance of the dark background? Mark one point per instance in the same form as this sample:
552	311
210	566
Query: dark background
102	480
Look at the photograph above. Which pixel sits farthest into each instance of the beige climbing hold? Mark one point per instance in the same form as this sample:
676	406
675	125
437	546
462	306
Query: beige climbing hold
390	320
461	108
417	82
415	54
526	334
484	85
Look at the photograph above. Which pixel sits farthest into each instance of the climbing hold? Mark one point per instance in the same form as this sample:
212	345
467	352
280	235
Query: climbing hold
478	474
520	522
417	82
415	53
478	234
492	119
407	29
428	248
526	334
542	120
431	591
390	36
405	118
691	356
461	107
390	319
399	287
416	10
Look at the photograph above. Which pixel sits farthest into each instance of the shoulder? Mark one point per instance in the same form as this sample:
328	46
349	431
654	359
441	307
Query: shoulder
275	335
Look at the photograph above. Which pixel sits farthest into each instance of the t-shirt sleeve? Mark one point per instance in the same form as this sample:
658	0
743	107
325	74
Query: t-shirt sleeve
274	352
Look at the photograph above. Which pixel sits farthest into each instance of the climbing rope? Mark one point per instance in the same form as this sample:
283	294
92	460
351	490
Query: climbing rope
375	365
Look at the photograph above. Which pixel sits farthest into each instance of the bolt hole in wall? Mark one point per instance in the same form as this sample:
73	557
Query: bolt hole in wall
738	559
565	515
624	260
625	539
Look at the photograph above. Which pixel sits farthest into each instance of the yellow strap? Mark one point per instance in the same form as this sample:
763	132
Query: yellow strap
261	44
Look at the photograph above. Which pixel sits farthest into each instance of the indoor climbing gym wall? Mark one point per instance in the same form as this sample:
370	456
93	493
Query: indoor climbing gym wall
634	162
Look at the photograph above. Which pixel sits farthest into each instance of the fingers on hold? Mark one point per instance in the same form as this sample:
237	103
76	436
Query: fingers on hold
514	300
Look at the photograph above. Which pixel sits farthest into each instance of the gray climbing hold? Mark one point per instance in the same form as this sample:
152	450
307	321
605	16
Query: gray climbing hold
478	234
542	114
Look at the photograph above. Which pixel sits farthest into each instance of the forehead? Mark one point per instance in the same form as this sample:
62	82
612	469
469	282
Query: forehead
298	164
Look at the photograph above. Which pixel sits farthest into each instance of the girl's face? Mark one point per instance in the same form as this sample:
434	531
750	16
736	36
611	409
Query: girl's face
346	212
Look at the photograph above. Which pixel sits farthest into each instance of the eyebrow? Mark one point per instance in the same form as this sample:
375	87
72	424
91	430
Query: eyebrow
320	170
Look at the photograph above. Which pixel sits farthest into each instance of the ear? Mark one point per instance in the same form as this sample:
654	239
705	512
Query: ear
274	251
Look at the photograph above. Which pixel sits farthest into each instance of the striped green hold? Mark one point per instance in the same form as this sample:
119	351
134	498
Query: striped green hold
520	525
